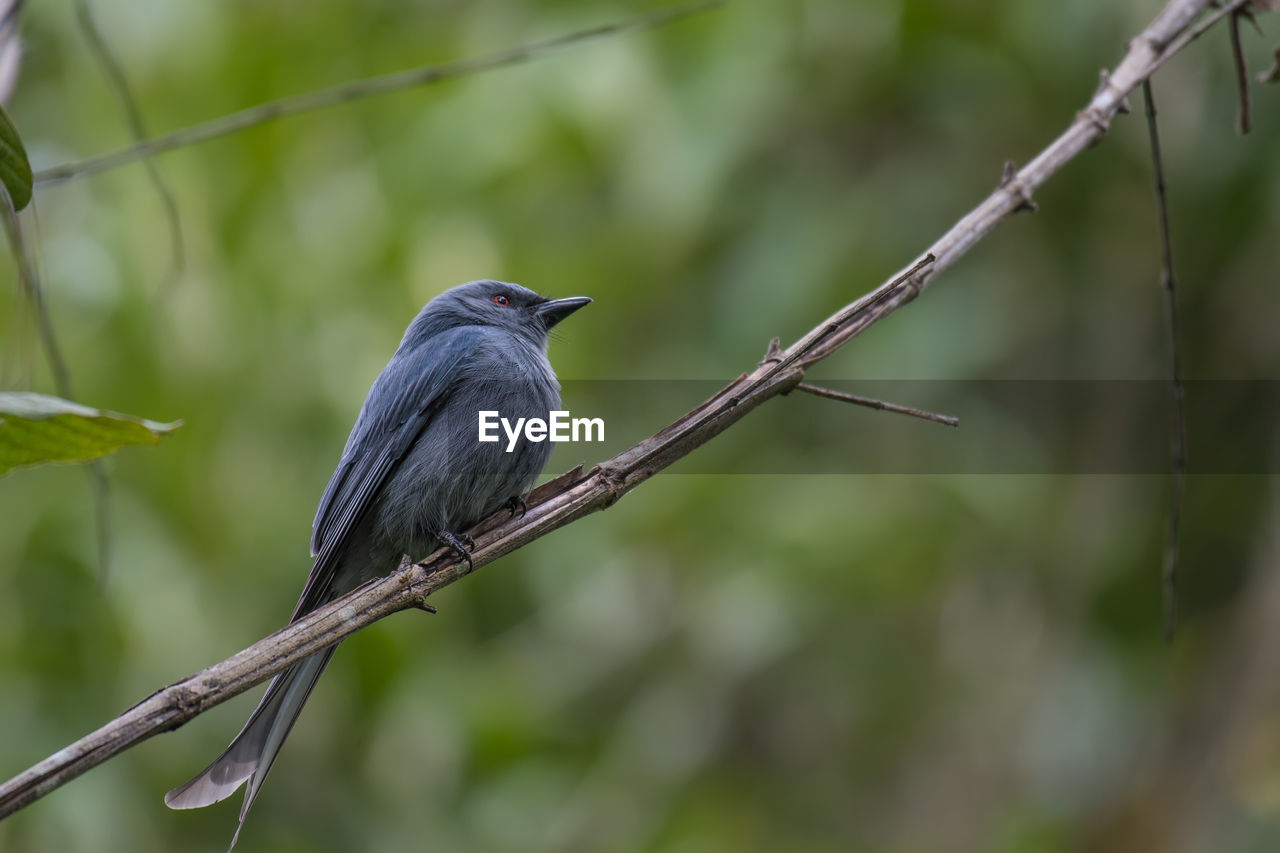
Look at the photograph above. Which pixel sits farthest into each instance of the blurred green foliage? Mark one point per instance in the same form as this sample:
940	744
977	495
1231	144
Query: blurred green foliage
723	662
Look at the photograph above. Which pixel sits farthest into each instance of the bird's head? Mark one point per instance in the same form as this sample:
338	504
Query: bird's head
495	303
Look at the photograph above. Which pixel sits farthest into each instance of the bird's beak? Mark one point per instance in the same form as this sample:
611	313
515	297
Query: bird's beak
555	310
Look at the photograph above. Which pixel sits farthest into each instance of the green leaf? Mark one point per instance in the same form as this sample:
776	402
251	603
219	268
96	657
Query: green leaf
15	169
36	428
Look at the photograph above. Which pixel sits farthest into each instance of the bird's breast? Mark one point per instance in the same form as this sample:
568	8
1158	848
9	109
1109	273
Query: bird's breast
449	479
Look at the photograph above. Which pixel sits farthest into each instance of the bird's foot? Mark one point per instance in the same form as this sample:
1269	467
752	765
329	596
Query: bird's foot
461	544
516	502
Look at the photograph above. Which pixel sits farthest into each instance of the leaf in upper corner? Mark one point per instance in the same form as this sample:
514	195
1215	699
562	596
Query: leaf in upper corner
37	428
15	169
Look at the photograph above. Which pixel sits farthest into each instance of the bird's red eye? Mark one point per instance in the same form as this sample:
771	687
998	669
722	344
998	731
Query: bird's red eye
499	299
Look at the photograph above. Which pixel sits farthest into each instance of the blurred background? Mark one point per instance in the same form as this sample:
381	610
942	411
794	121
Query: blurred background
925	648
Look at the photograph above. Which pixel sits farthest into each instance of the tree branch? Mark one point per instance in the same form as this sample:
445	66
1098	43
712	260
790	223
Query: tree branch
394	82
1177	396
878	405
577	493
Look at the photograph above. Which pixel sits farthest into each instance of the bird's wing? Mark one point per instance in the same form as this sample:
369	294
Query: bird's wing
404	399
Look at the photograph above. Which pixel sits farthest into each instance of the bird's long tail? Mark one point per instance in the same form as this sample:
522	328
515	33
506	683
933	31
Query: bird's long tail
251	754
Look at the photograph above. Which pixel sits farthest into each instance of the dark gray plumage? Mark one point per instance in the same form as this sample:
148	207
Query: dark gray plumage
413	474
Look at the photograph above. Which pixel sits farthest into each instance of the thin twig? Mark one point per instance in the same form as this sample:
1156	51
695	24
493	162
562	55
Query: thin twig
1243	122
577	493
1175	46
29	280
880	405
1177	412
395	82
137	127
117	80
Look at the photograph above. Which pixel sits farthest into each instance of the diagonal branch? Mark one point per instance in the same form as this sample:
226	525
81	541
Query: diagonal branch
394	82
578	493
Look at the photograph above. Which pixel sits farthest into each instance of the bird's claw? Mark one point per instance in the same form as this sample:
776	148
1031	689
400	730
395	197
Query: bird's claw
461	544
516	502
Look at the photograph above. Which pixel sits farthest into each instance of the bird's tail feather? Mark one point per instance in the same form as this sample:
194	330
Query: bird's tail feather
251	754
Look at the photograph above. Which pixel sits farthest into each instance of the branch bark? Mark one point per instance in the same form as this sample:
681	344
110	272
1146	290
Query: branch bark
577	493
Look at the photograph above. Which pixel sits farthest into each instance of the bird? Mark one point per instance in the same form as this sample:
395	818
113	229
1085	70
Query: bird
412	477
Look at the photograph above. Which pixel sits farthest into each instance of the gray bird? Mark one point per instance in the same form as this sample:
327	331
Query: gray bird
413	475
